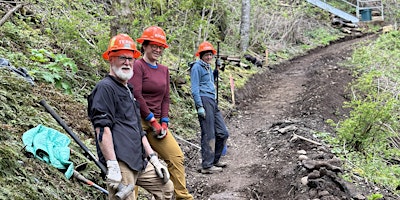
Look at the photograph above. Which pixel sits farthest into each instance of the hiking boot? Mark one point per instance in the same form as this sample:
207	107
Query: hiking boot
211	170
221	164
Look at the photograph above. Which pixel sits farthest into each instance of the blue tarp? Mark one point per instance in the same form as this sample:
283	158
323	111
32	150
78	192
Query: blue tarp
50	146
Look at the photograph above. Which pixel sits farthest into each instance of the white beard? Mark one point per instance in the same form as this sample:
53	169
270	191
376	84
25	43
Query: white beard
121	74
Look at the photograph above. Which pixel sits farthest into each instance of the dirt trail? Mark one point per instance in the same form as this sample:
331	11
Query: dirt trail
299	95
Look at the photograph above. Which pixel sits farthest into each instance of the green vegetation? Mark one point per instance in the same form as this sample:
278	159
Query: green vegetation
60	44
368	138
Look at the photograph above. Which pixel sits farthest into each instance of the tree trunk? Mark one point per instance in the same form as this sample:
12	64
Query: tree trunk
245	25
123	14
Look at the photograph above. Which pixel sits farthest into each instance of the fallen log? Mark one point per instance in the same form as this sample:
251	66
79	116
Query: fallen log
9	13
233	59
345	30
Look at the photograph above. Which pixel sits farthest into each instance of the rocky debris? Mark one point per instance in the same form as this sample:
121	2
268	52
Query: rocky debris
321	172
314	170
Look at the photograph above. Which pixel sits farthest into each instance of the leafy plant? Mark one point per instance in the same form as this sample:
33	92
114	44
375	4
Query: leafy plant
56	69
365	137
375	196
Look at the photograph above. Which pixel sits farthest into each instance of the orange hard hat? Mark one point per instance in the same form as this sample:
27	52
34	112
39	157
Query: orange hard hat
121	42
155	34
205	46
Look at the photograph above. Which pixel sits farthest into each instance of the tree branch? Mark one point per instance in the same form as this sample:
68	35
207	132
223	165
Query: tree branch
5	17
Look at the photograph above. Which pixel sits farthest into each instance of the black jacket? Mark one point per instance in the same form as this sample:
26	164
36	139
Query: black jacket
111	104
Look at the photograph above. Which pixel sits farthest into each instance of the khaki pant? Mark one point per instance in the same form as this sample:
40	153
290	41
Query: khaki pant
169	150
148	179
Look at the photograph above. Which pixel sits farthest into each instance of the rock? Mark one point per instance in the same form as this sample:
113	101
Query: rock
312	164
323	193
313	175
330	197
315	183
352	191
302	152
271	149
313	193
323	149
303	157
287	129
309	164
359	197
335	161
304	180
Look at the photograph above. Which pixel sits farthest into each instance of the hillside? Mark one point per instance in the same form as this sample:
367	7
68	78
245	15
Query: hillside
63	57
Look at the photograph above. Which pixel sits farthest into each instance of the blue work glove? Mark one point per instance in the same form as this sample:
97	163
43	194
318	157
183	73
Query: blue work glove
201	112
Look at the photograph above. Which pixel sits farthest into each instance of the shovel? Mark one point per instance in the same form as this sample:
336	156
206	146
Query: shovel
80	177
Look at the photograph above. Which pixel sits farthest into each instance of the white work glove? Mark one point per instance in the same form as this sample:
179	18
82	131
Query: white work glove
114	176
161	170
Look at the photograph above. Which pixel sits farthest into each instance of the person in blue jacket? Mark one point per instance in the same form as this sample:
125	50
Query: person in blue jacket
214	133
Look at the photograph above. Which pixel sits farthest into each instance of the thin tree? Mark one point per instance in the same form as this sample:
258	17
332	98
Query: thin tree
123	16
245	25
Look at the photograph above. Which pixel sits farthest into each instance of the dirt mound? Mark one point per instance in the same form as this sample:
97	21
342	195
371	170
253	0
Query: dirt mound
272	151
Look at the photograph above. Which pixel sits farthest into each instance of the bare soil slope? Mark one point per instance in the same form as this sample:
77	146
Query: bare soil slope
265	160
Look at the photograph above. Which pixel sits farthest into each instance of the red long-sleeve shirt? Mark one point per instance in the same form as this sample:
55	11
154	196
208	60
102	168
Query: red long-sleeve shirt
151	88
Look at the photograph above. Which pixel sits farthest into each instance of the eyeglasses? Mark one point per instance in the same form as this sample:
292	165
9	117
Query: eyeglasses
155	47
122	59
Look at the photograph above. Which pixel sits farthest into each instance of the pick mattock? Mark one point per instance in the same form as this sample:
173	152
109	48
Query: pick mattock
123	190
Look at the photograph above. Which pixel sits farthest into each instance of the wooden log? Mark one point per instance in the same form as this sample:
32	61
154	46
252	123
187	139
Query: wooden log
244	65
252	53
388	28
232	59
295	137
345	30
9	13
351	25
225	57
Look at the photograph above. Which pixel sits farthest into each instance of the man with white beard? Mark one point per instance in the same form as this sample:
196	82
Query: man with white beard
121	143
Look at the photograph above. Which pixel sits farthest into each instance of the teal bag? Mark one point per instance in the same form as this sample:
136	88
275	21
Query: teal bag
50	146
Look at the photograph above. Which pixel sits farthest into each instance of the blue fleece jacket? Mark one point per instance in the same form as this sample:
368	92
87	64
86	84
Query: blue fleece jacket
202	82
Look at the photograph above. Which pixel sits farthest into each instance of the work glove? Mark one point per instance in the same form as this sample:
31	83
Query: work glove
156	126
164	128
164	125
161	170
201	112
114	176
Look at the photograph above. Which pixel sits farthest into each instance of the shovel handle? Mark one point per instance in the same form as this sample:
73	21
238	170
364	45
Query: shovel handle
80	177
77	140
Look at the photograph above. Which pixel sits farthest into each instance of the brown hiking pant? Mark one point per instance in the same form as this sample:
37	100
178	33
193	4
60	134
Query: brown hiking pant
148	179
169	150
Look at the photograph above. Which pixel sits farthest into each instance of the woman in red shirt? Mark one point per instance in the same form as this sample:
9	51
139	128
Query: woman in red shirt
151	89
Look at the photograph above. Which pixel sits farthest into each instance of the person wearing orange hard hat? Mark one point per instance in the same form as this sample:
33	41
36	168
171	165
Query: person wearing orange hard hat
214	133
121	143
151	89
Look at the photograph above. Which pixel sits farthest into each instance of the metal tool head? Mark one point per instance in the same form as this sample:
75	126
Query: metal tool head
124	191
